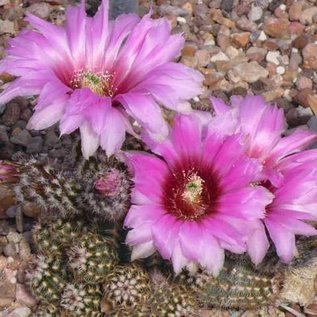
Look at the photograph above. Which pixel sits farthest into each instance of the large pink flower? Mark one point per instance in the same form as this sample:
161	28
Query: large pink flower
290	177
262	126
190	202
93	73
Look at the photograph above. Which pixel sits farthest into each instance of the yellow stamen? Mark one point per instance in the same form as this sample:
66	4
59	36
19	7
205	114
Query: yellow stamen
98	83
193	189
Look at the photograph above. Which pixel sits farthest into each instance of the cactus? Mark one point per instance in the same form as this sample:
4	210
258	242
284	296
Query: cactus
139	311
46	278
82	300
99	186
241	285
54	237
47	310
172	300
107	187
127	287
238	286
91	258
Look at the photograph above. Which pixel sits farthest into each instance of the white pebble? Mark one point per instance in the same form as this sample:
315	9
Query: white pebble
280	70
262	36
283	7
220	57
273	57
181	20
287	94
255	13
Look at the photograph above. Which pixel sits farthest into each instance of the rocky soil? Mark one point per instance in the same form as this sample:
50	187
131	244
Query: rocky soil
265	47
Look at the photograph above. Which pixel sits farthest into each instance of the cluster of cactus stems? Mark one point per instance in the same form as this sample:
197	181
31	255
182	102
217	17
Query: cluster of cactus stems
98	187
82	267
85	273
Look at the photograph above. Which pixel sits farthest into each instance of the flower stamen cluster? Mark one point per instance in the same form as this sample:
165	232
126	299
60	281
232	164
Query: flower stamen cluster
99	83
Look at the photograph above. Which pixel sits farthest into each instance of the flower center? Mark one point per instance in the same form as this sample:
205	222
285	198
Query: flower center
98	83
191	194
193	189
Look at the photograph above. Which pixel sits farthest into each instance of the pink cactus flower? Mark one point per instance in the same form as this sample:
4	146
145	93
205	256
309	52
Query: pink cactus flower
94	74
8	172
108	184
290	177
189	202
262	126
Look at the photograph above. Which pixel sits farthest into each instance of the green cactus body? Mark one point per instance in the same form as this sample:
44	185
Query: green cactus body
173	301
91	258
241	285
53	238
46	278
80	300
236	288
47	310
139	311
127	287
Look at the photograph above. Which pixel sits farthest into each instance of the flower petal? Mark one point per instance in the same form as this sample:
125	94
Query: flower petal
283	239
147	112
89	140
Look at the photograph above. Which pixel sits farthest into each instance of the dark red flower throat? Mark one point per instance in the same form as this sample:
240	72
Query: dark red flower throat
191	192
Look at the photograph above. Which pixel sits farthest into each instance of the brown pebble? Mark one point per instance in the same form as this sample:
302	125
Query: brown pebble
312	103
189	50
295	28
301	41
240	39
295	10
302	96
211	76
277	28
310	56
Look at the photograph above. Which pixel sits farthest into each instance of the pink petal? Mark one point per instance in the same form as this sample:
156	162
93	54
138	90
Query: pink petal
297	141
76	33
223	231
142	250
187	130
178	260
89	140
248	203
47	116
200	246
258	243
263	123
29	85
283	239
97	31
146	112
122	27
113	134
219	106
147	169
140	234
165	235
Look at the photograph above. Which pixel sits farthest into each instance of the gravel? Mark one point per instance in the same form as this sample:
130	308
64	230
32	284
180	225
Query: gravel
266	47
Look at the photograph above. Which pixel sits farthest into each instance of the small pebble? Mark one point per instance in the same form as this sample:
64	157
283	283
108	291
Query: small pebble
255	13
10	250
273	57
280	70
